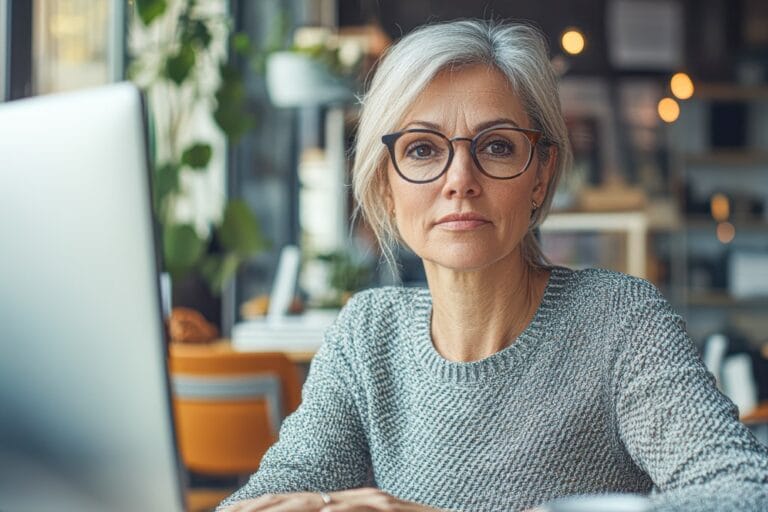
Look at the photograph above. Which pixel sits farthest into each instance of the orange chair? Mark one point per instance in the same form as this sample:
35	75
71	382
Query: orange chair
229	405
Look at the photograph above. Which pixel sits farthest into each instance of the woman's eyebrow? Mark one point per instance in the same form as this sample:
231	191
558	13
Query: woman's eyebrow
487	124
477	128
422	124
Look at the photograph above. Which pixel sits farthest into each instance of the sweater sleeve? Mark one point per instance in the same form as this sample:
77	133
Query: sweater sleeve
322	446
677	426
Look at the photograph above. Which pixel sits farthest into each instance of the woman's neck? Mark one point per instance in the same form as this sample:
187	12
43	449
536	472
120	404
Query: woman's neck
476	314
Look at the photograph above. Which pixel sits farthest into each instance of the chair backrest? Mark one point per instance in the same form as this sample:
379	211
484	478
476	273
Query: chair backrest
229	405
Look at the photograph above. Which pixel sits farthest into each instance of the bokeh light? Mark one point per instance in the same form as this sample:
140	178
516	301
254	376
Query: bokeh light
573	41
726	232
682	86
669	110
720	207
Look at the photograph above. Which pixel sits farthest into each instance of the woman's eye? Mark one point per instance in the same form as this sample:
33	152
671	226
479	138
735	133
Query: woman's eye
421	151
500	148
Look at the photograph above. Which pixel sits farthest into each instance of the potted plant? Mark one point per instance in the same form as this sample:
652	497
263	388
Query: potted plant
197	106
315	70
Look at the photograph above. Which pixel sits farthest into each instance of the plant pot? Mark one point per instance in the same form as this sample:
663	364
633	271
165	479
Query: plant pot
298	80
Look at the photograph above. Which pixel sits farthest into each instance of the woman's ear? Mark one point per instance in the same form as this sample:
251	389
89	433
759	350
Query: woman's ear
544	176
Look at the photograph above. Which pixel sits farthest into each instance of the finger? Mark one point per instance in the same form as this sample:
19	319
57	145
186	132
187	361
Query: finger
369	499
360	491
256	504
360	495
303	502
347	507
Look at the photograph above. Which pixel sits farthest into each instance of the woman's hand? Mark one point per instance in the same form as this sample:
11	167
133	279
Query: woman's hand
296	501
355	500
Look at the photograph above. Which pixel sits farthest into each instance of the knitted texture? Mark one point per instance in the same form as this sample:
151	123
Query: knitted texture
603	392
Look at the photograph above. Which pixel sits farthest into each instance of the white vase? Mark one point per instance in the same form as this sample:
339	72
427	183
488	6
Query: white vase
297	80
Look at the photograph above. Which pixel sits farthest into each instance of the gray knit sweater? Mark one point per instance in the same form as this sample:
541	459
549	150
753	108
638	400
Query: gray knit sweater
603	392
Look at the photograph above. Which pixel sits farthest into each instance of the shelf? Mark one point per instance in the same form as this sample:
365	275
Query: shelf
722	299
737	158
730	92
705	222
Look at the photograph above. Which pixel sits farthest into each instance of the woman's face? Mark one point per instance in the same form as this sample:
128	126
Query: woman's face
456	103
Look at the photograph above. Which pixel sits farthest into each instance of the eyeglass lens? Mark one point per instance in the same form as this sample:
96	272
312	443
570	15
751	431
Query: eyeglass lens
501	153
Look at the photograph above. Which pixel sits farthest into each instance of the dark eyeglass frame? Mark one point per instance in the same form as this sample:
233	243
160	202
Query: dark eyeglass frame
533	136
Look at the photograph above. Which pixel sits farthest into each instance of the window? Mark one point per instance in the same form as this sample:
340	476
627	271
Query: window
74	44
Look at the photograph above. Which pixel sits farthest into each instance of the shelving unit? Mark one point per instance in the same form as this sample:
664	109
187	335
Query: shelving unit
739	173
737	159
731	92
722	299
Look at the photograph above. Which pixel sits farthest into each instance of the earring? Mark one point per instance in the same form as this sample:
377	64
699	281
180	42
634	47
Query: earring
535	206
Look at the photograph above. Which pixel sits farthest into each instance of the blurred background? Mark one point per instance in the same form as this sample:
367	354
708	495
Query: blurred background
253	104
253	110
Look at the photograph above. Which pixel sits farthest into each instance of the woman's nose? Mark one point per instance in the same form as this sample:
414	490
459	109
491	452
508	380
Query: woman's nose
461	177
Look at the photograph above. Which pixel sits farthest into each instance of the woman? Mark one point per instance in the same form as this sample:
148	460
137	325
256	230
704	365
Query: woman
508	382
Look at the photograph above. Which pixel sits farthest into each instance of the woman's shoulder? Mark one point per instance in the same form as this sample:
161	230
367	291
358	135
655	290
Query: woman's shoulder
606	289
376	315
371	330
605	305
389	300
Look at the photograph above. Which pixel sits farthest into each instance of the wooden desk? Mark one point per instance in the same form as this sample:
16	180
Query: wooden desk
206	500
758	415
299	357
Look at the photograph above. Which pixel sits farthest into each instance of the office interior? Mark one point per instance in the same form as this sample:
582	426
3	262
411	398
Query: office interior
253	108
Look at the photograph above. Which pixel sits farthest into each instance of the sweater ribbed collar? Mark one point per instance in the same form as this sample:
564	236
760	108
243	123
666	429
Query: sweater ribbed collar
494	365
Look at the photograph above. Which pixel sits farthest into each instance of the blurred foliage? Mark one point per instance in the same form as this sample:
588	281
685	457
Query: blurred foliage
148	10
177	70
346	274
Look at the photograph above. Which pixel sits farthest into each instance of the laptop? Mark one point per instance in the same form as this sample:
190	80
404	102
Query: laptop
85	404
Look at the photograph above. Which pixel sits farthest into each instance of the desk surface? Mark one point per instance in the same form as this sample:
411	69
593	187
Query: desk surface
758	415
205	500
225	345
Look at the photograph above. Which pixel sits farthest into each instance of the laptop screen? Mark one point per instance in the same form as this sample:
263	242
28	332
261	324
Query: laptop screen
85	410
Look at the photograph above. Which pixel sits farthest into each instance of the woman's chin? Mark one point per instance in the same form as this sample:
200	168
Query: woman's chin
463	261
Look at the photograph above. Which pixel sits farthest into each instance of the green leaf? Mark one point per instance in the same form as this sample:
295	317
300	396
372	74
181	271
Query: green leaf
166	182
231	114
196	33
148	10
179	66
182	248
233	123
197	156
202	34
240	232
218	271
241	43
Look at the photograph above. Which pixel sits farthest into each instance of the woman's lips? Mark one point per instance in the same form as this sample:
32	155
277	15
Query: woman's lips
462	225
462	221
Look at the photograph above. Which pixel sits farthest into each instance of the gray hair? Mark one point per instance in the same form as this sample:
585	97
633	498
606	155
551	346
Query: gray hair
518	51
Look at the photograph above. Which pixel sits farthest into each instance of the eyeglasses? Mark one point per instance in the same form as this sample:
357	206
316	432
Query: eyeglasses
500	152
